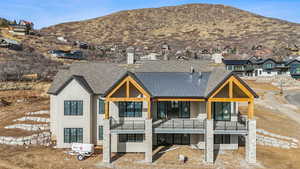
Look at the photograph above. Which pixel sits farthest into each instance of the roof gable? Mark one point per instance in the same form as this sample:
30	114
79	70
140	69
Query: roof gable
237	81
130	77
293	61
79	79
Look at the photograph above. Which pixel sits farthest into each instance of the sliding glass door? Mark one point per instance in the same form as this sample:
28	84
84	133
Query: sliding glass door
222	111
173	109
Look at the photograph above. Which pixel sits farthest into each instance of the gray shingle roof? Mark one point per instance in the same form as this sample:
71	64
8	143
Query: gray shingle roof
217	76
160	78
175	84
100	76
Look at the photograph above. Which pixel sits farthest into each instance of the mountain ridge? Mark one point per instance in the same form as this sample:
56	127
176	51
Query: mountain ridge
196	26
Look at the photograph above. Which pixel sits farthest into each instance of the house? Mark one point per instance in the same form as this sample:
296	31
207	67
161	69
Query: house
22	28
240	67
9	43
75	54
294	68
258	67
217	58
136	107
269	67
151	56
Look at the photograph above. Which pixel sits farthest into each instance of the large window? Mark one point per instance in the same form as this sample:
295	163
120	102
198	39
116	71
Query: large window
101	106
100	134
173	109
222	111
130	109
170	139
73	107
73	135
131	138
222	139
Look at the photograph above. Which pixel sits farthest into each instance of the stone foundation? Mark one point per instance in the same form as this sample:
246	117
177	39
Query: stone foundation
251	142
148	141
106	141
209	141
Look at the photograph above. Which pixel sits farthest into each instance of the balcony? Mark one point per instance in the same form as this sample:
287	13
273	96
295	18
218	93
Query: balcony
127	126
179	126
231	127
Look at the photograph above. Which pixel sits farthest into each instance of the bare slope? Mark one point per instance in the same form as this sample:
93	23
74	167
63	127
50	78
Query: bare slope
195	25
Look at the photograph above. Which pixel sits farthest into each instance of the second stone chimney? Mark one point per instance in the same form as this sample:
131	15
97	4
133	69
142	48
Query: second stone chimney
130	55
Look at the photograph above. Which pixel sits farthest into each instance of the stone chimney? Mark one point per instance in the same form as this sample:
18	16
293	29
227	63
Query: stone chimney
130	55
192	70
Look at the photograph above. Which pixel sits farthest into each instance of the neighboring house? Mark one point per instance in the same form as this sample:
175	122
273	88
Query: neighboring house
258	67
22	28
11	44
217	58
136	108
294	68
265	67
76	54
240	67
151	56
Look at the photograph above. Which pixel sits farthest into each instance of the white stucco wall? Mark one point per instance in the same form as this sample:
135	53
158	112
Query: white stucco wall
73	91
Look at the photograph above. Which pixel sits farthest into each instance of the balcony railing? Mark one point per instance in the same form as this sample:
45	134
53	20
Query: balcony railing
230	125
179	124
127	125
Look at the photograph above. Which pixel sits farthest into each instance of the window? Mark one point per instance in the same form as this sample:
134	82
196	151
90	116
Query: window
100	132
131	138
101	106
268	65
73	135
295	68
170	139
73	107
222	139
239	67
269	72
184	110
173	109
222	111
130	109
229	67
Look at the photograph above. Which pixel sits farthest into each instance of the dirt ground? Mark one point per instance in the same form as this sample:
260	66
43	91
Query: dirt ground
21	102
17	157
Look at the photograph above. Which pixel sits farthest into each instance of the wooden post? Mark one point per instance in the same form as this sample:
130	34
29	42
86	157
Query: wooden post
208	110
127	89
106	108
251	109
230	89
149	108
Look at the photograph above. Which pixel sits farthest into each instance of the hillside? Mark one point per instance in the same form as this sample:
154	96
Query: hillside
4	22
197	26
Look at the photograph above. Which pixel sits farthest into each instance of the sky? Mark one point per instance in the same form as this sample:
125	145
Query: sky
50	12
